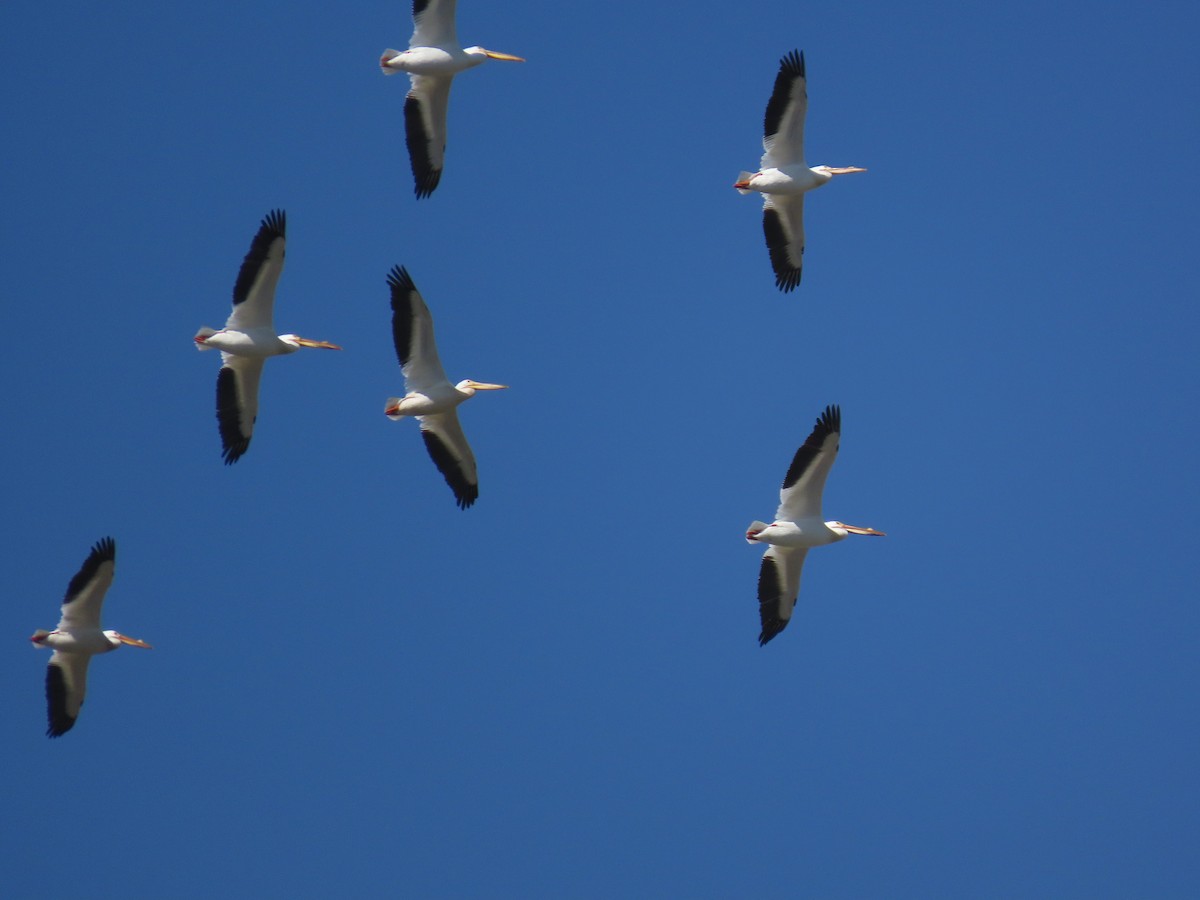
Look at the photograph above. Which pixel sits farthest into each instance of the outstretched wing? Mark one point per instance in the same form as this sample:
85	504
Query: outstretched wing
783	227
450	452
85	594
254	290
237	403
412	333
783	124
778	587
66	683
425	110
433	24
800	496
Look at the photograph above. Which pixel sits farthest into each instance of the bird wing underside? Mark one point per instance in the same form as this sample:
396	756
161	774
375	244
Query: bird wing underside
433	24
237	403
425	109
783	228
800	495
412	334
85	594
254	290
778	587
66	684
450	452
783	124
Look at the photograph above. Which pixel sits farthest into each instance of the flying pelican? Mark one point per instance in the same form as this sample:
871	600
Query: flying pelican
78	637
431	397
432	60
783	176
798	525
249	337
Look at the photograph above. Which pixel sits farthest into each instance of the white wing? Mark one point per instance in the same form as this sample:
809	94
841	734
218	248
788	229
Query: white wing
450	452
433	24
425	110
237	403
778	587
783	227
783	124
66	684
800	496
412	333
254	291
85	594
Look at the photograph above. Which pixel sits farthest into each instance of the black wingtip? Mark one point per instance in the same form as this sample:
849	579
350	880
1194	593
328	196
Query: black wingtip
399	279
104	550
229	421
58	722
792	64
425	176
831	419
787	276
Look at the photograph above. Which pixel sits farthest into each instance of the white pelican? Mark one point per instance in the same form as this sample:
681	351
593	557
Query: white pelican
249	337
798	525
77	638
432	60
783	176
430	395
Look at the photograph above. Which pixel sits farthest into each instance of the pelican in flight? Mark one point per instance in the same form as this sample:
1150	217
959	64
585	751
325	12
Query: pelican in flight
798	525
432	60
77	638
249	337
431	397
783	176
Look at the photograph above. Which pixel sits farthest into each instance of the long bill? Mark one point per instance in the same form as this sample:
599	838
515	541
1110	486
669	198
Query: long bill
844	170
858	529
133	642
508	57
484	386
320	345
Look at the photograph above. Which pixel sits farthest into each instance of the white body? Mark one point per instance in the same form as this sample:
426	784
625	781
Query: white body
798	525
249	339
784	177
78	637
430	397
431	61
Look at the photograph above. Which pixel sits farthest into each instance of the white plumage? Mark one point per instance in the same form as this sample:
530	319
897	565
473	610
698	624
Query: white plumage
784	177
78	637
432	60
798	525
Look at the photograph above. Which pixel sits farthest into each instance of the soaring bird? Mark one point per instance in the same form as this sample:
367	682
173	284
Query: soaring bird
430	396
77	638
783	176
432	60
798	525
249	337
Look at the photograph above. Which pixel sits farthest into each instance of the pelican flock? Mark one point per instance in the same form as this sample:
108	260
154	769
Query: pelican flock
429	395
432	59
78	637
783	177
249	339
798	525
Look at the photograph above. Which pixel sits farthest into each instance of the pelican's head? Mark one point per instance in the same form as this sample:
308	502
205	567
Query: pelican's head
469	387
841	529
295	342
483	54
117	639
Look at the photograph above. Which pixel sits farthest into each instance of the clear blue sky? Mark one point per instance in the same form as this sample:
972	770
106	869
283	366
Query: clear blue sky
357	688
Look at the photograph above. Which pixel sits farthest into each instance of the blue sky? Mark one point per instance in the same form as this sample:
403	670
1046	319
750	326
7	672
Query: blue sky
358	688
